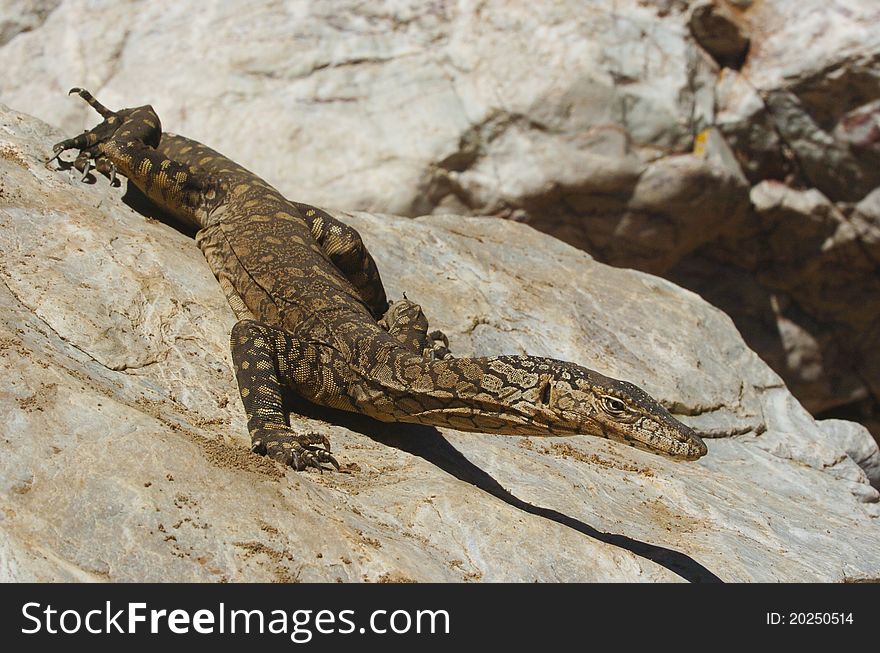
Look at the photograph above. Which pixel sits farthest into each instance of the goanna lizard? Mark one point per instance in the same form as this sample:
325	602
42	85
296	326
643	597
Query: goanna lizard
314	317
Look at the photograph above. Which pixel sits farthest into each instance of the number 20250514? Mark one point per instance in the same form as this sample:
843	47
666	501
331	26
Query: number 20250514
809	618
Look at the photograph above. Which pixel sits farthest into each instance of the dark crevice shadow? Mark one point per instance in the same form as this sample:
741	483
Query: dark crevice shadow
428	443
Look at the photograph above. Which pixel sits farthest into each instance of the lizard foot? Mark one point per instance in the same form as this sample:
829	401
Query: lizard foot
91	158
406	322
299	450
439	349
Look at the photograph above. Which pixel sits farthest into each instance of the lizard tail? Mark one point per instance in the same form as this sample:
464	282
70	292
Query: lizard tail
97	106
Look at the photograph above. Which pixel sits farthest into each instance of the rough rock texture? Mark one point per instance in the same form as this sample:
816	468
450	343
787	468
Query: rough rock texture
640	131
124	451
508	108
852	437
801	276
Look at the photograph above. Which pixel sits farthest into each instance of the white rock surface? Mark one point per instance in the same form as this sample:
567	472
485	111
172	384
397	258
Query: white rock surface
124	450
370	105
858	444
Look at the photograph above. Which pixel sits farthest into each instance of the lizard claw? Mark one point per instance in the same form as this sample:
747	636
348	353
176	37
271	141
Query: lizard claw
298	450
439	349
312	461
300	460
57	150
86	168
439	336
323	455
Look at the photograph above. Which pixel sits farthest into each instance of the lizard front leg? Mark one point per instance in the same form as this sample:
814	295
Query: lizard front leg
345	248
406	322
267	359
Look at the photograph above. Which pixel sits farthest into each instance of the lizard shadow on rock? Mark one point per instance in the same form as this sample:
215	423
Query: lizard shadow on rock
140	203
428	443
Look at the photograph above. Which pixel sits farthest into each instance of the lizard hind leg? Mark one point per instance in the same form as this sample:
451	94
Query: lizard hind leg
89	139
140	123
86	156
345	248
126	143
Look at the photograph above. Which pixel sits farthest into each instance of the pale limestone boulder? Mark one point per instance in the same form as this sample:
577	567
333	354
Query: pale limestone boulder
804	111
749	128
822	160
19	16
398	106
125	450
816	66
858	444
824	51
799	275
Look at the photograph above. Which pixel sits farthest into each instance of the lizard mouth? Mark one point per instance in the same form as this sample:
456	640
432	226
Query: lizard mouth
674	449
680	444
692	445
691	449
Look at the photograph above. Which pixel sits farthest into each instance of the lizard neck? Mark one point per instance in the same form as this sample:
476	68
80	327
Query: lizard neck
498	395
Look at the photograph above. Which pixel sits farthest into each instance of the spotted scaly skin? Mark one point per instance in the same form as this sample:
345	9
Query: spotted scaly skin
313	316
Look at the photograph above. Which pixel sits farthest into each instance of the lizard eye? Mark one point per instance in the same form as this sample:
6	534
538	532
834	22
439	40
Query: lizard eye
613	405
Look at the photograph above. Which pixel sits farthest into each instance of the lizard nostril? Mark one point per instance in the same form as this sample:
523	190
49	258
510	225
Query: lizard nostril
545	393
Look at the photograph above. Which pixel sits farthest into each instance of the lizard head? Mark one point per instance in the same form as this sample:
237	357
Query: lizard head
546	397
574	400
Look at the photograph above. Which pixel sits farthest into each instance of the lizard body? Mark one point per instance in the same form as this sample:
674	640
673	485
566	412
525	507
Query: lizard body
313	316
